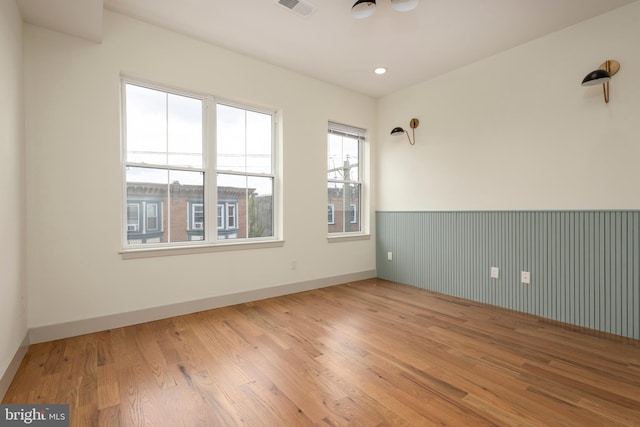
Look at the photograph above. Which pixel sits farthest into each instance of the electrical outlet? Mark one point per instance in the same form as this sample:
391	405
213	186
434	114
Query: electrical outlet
525	277
495	273
294	265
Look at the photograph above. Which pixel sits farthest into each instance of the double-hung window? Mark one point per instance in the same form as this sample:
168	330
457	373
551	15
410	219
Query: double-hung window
344	178
185	154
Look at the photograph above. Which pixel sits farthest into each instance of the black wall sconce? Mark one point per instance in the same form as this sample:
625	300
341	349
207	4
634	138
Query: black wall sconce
602	76
413	124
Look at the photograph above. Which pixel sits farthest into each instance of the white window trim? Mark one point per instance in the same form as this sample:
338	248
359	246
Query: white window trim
347	237
211	243
194	248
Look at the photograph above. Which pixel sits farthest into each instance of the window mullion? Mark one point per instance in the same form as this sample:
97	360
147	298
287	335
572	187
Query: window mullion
211	175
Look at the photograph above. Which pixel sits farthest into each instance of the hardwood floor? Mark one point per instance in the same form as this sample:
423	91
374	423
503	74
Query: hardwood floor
370	353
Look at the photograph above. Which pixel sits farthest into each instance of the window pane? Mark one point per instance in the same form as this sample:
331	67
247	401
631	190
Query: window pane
344	203
168	221
185	131
147	187
244	140
336	203
146	125
258	142
186	190
352	202
232	194
260	194
343	158
231	129
245	206
163	128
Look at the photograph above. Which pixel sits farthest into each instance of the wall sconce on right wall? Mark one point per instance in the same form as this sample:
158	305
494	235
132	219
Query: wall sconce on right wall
413	124
602	76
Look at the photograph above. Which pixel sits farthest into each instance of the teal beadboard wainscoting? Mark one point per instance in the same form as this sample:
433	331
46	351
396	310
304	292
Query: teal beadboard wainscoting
585	265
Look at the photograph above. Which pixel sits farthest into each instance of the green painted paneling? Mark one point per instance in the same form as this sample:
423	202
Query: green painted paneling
585	265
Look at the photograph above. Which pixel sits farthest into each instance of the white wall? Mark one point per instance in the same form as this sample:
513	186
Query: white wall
74	188
13	319
518	131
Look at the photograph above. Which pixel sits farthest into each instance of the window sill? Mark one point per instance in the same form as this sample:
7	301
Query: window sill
348	238
197	249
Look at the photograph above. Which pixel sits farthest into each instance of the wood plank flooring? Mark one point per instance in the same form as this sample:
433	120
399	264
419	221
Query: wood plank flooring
369	353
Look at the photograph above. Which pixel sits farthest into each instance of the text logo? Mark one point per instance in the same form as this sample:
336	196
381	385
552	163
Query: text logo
34	415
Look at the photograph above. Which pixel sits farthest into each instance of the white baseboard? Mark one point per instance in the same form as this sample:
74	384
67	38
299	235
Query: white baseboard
96	324
10	372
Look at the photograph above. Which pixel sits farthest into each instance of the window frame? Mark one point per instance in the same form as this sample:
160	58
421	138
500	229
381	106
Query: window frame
211	241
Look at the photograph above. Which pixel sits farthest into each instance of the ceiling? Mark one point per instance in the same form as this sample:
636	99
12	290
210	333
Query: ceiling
328	44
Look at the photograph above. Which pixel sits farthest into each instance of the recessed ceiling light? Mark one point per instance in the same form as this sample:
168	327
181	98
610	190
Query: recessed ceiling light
380	70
